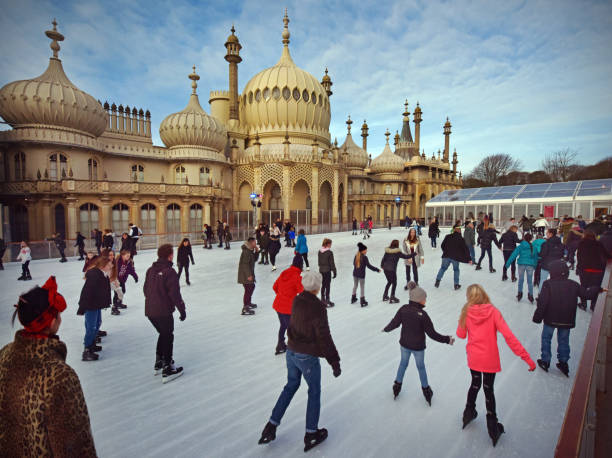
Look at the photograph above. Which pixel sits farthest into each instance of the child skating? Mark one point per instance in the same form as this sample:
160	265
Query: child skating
360	262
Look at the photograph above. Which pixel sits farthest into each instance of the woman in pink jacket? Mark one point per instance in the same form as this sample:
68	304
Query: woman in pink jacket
480	321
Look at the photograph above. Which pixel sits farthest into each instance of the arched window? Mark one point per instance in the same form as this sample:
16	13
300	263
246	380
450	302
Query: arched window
148	222
18	218
60	219
275	198
138	173
204	176
179	175
362	187
19	166
92	168
173	215
372	188
121	216
388	189
58	166
195	218
88	218
350	187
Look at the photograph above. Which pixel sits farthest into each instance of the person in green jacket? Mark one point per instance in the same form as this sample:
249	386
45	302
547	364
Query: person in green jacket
526	255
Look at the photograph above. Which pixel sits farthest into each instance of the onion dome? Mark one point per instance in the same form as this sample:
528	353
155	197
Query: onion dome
387	162
52	100
357	157
192	126
285	98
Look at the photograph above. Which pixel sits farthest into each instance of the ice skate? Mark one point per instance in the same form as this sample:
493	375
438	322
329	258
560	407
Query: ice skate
530	297
397	387
353	299
247	311
513	279
519	296
170	372
252	306
268	434
492	270
89	355
281	348
495	428
457	287
428	393
102	333
115	311
95	348
393	300
158	367
363	302
437	284
504	277
273	267
469	414
543	365
564	368
478	267
121	305
313	439
385	298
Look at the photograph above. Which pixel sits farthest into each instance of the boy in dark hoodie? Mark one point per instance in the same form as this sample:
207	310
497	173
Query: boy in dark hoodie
557	305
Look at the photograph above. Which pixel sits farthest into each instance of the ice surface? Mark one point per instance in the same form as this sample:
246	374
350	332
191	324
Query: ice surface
232	378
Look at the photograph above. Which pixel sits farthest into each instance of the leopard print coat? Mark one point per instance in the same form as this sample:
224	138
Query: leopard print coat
43	408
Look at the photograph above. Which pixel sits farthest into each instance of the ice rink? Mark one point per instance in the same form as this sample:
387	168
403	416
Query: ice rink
232	377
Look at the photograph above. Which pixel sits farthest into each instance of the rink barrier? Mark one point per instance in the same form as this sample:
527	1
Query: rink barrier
577	436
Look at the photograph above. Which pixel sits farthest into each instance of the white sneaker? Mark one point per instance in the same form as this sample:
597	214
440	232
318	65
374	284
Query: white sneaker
307	268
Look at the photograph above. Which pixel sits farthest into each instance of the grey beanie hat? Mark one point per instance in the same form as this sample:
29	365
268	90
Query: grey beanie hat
311	281
417	294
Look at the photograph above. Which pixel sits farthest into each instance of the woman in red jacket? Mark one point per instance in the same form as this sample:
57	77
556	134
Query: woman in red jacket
480	321
287	286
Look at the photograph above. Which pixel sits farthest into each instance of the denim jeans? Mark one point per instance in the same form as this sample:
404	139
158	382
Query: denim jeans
445	263
563	348
507	254
93	320
419	359
298	365
433	242
522	268
487	251
543	276
472	253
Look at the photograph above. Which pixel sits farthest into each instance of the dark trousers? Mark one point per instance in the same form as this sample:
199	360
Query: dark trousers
220	239
81	252
305	257
227	243
273	250
248	293
165	341
25	270
477	381
186	267
61	252
571	253
415	271
284	324
507	254
98	247
483	251
591	279
391	281
325	286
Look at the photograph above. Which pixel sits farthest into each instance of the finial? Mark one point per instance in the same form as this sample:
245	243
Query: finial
194	77
233	29
387	133
348	123
286	33
55	36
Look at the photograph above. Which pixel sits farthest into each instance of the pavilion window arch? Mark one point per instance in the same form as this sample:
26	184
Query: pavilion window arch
92	168
20	166
205	178
58	166
180	175
195	218
148	218
173	218
137	173
120	217
88	218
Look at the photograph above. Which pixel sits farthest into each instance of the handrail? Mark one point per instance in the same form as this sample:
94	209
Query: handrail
570	439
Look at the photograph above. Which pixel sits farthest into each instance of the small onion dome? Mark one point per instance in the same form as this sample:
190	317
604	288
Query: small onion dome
357	157
51	99
418	108
232	38
387	161
192	126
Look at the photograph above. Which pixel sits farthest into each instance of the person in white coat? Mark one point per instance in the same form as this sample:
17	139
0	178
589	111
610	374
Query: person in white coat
410	246
25	256
541	224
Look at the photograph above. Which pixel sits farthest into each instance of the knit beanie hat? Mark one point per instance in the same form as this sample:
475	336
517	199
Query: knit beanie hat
298	261
417	294
311	281
361	247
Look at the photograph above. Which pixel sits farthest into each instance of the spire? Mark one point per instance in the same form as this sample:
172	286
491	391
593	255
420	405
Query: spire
286	33
387	133
364	135
406	134
194	77
54	36
326	82
348	124
286	59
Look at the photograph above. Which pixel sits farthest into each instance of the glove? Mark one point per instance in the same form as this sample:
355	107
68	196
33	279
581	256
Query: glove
335	274
532	366
336	369
183	315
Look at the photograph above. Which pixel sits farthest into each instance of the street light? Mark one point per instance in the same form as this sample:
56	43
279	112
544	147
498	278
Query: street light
255	202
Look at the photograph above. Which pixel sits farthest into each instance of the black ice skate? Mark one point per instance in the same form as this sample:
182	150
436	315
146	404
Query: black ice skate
504	277
121	305
495	428
115	311
397	387
544	365
564	368
363	302
437	284
89	355
457	287
23	278
478	267
252	306
428	393
313	439
353	299
171	372
513	278
519	296
247	311
102	333
393	300
281	347
28	277
329	304
530	297
268	434
469	414
95	348
385	298
158	367
492	270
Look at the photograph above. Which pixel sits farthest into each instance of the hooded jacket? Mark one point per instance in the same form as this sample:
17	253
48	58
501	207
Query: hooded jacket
434	230
592	256
80	241
482	323
161	290
326	261
558	299
287	286
509	240
454	247
108	241
391	258
415	324
125	269
264	241
301	246
469	235
184	254
487	237
526	253
552	250
246	265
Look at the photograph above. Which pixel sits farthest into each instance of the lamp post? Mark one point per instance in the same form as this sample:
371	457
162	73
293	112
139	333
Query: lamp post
255	202
398	201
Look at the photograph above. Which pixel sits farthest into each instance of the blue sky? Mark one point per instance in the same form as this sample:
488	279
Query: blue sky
523	77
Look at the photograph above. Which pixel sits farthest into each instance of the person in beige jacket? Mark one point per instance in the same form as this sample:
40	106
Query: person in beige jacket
412	245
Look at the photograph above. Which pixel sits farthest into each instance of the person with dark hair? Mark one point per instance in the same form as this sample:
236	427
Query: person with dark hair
509	240
60	244
246	274
162	296
486	239
25	256
97	236
354	226
126	243
44	412
274	245
184	254
434	232
208	236
134	236
592	258
302	247
125	268
287	286
469	235
220	233
454	251
412	246
327	267
360	262
551	250
389	266
227	234
108	240
80	243
527	254
263	240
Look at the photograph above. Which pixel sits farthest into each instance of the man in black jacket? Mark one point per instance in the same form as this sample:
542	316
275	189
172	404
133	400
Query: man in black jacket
486	239
509	240
552	250
80	243
454	251
162	296
309	339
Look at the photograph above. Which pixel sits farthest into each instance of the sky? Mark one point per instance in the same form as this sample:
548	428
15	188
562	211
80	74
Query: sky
520	77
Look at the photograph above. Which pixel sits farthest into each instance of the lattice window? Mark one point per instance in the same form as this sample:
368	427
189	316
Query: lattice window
301	172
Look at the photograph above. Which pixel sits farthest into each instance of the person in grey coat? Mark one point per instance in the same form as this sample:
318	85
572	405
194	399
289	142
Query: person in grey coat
469	235
246	274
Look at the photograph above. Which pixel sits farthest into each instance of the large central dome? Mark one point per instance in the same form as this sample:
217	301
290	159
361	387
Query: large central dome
286	99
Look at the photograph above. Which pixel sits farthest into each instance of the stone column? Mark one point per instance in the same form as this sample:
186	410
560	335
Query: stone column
286	191
135	211
105	218
46	217
335	189
161	216
345	200
314	196
185	211
206	213
72	223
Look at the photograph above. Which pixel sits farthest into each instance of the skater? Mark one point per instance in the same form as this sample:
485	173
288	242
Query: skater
327	267
309	339
220	233
208	232
362	228
389	222
80	243
108	241
227	234
292	237
44	412
354	226
454	251
469	235
434	232
126	243
527	254
134	234
287	286
25	256
246	274
115	286
89	257
552	250
486	239
540	225
370	226
183	255
97	236
302	247
592	259
2	251
125	268
263	240
95	296
389	266
162	295
274	246
412	245
573	240
287	229
415	323
60	244
509	240
480	321
557	305
360	262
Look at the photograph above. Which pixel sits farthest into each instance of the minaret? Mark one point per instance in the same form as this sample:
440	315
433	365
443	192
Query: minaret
455	161
326	82
417	126
348	125
364	135
233	57
447	132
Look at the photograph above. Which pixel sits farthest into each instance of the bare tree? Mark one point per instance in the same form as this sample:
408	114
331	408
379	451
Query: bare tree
561	164
492	168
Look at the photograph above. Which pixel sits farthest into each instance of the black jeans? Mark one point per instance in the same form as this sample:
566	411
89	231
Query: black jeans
186	267
248	293
483	251
591	279
325	286
305	256
273	249
477	380
61	252
415	271
99	250
81	251
391	281
284	324
25	270
220	239
507	254
165	342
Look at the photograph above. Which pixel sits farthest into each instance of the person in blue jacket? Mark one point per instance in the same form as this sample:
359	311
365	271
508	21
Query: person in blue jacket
526	255
302	248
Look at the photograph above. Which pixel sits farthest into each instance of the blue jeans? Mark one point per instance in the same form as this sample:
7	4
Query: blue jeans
433	242
419	358
543	276
563	348
472	253
445	263
522	268
93	321
298	365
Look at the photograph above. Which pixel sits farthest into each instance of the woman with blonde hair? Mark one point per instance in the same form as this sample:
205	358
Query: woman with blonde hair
480	321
